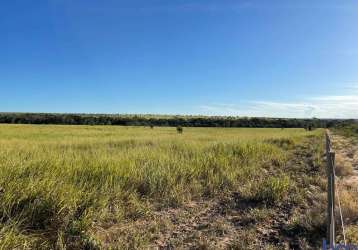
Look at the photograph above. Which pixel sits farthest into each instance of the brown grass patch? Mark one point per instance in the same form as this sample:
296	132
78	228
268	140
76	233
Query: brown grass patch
343	167
352	234
349	202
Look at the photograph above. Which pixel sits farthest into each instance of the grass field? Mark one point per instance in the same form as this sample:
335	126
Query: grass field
64	186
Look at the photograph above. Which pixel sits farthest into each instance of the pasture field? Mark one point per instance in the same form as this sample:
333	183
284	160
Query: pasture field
111	187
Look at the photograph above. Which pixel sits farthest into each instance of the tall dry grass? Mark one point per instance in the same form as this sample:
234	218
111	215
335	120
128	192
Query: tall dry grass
58	182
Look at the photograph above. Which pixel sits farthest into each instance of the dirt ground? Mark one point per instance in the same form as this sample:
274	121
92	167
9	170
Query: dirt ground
346	150
347	156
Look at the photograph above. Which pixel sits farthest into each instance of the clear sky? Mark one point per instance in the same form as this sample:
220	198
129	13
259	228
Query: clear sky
253	58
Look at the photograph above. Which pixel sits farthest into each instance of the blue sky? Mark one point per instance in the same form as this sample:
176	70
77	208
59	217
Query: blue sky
248	58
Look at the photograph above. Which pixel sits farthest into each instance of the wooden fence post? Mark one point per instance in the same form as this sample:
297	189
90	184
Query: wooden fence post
328	220
333	219
330	156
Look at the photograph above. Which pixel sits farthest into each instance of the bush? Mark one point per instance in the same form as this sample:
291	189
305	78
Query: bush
180	129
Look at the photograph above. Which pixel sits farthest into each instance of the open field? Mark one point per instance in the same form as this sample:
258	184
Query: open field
92	187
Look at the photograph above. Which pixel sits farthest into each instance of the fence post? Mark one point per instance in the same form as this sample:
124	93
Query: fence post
328	191
330	156
333	219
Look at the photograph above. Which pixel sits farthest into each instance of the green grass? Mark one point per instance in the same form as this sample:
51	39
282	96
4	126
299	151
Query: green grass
58	182
348	130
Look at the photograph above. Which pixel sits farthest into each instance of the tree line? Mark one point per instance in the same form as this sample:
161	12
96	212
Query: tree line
165	120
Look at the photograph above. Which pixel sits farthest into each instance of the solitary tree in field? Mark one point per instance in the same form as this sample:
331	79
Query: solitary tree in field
180	129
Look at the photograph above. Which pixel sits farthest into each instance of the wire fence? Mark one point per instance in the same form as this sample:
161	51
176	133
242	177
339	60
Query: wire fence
332	193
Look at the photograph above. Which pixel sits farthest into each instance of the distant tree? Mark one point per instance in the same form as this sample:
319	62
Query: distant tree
151	126
179	129
173	121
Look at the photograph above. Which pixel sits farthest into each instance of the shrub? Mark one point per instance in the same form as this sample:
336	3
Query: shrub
180	129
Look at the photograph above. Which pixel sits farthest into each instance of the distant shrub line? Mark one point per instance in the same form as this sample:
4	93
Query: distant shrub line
348	129
162	120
